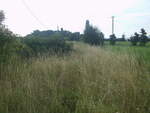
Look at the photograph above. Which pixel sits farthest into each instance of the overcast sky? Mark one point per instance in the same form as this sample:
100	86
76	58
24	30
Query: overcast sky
24	16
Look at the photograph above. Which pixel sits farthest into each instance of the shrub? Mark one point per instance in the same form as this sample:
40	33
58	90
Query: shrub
51	45
10	45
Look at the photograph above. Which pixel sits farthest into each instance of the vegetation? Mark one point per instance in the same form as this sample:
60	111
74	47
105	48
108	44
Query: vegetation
134	39
141	39
38	76
92	35
67	35
51	45
33	45
112	39
2	17
10	44
90	80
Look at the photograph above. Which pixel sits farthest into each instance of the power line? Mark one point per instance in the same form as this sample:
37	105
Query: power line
32	13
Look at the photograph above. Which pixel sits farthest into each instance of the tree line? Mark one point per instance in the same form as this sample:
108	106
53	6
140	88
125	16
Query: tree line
140	39
94	36
55	42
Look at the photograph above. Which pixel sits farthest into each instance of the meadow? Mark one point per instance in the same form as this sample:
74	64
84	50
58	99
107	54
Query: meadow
109	79
140	52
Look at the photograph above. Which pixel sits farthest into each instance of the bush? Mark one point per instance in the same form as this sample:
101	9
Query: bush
51	45
10	45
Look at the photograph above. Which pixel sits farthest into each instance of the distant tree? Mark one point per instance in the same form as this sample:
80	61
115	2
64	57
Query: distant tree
149	38
112	39
75	36
87	24
134	39
92	35
2	17
67	35
123	37
62	29
143	39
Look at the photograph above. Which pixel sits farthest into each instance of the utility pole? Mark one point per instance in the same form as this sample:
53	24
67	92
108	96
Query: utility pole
113	24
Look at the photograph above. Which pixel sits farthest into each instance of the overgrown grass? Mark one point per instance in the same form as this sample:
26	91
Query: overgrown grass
90	80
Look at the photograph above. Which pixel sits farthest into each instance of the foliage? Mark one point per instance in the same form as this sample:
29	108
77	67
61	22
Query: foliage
38	33
45	45
2	17
46	42
143	39
10	45
92	35
134	39
122	38
67	35
74	36
112	39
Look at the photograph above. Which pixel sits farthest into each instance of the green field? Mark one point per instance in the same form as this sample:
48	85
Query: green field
109	79
141	52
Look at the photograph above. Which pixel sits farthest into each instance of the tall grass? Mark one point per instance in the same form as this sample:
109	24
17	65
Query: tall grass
90	80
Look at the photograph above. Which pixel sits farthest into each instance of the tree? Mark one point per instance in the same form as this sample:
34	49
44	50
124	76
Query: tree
10	44
75	36
112	39
143	39
92	35
2	17
123	37
134	39
87	25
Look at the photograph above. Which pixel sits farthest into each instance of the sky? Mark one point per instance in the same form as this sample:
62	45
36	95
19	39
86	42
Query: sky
24	16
